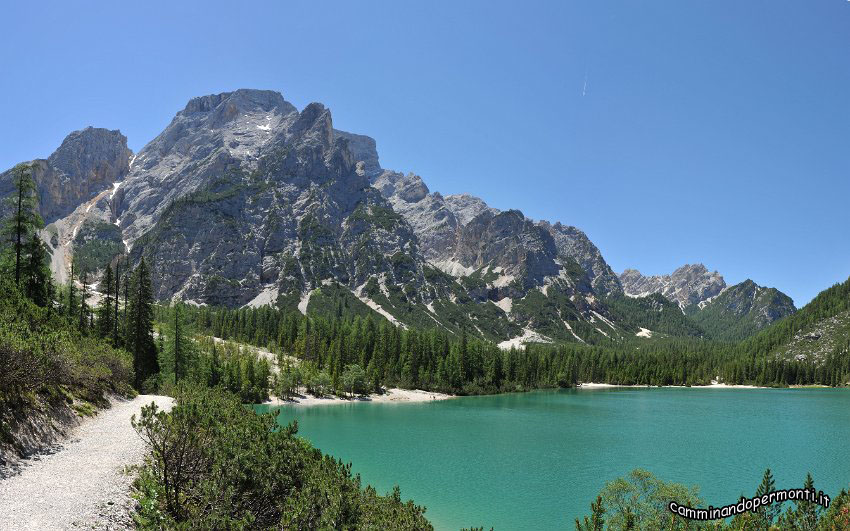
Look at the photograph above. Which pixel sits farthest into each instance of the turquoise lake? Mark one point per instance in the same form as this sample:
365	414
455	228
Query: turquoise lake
537	460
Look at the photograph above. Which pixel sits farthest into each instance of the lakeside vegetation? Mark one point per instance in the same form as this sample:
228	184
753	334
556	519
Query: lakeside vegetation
640	502
213	463
217	464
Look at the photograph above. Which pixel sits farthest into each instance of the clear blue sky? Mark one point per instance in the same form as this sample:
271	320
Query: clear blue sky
670	131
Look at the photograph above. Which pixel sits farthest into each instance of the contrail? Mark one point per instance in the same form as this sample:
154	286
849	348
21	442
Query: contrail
584	89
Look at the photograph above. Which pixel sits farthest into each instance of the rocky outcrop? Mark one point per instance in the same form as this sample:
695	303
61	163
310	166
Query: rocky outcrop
284	210
213	137
86	164
442	226
688	285
573	243
509	241
363	149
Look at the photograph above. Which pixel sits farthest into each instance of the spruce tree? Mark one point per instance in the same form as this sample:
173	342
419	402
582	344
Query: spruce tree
769	512
140	340
36	275
115	334
84	309
72	294
25	219
105	325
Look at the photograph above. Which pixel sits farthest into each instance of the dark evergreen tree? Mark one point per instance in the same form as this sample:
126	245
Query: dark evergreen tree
768	513
36	274
25	220
115	321
105	326
84	308
72	295
140	340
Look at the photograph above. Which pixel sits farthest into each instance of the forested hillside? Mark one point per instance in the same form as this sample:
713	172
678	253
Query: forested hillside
741	311
817	332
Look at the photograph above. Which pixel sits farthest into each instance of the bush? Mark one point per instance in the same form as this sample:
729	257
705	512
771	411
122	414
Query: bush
215	464
40	350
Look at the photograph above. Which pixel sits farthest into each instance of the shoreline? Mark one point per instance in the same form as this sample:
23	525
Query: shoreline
391	396
594	385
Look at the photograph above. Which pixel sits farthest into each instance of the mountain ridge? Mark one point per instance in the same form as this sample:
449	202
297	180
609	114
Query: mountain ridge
245	200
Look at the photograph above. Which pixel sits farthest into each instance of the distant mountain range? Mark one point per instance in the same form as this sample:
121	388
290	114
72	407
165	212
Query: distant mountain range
245	201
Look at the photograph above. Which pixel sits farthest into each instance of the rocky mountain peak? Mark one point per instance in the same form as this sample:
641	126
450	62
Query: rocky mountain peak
86	163
688	285
229	104
364	149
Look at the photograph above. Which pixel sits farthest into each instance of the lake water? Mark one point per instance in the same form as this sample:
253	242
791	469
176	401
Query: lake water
537	460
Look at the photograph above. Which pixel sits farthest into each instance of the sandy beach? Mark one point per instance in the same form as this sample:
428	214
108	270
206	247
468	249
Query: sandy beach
593	385
393	396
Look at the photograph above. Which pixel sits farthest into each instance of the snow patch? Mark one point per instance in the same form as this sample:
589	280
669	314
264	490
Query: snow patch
644	332
115	186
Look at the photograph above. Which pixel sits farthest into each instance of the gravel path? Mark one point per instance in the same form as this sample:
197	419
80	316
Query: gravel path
84	484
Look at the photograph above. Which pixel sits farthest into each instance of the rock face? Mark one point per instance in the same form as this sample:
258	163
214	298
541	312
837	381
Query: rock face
213	137
452	235
575	244
226	215
86	163
688	285
245	200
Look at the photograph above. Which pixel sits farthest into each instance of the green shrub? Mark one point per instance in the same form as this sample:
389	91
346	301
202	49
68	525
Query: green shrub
215	464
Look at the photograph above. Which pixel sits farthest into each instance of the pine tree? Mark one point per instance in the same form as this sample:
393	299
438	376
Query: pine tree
768	513
105	325
179	344
84	308
36	275
72	294
140	341
596	522
115	334
806	514
25	219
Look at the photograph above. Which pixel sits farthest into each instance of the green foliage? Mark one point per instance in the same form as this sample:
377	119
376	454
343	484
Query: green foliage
217	465
653	312
827	304
738	312
96	245
139	339
25	220
380	216
41	351
642	499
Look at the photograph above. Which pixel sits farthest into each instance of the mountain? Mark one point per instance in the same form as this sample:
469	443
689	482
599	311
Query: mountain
243	200
816	332
75	187
742	310
443	227
688	285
